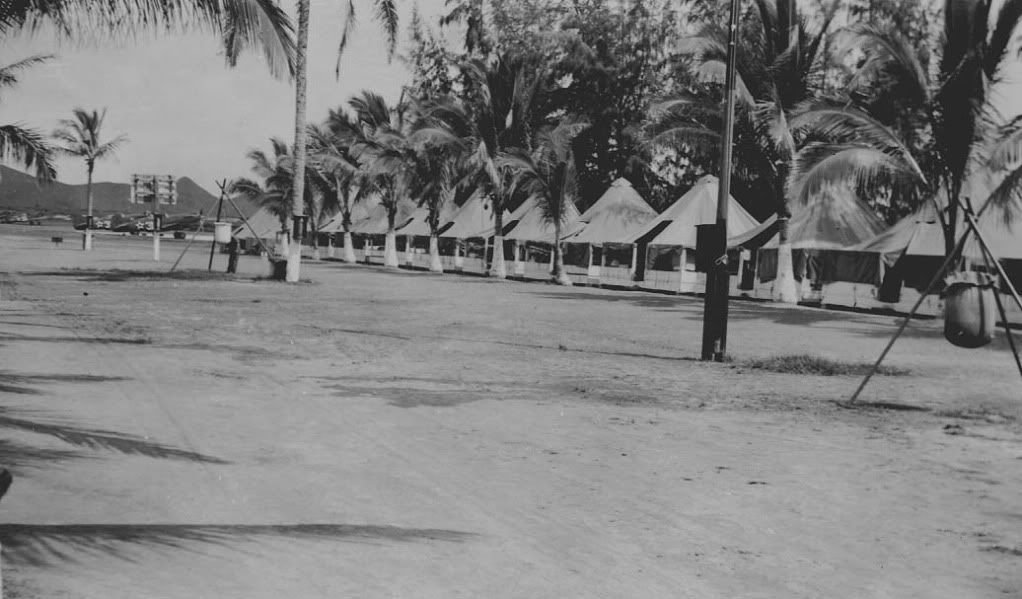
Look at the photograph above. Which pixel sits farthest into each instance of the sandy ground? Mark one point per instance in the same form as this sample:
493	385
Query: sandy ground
401	434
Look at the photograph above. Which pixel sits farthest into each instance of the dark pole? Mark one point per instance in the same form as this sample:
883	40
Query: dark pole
219	211
717	278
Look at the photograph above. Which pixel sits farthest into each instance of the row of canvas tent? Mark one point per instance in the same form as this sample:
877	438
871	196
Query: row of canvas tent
835	239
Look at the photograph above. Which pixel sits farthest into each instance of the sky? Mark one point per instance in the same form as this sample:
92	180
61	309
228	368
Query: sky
185	113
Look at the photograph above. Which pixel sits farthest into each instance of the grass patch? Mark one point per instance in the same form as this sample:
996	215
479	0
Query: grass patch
809	364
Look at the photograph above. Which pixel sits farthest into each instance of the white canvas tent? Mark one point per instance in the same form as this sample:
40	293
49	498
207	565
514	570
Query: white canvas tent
672	234
619	212
474	219
823	236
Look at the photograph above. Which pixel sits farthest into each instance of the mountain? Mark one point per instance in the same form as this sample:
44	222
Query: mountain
21	191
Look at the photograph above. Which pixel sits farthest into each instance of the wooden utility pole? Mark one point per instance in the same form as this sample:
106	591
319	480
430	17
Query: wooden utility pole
718	280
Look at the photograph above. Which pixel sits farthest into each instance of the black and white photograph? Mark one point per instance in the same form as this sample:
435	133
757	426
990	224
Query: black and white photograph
500	299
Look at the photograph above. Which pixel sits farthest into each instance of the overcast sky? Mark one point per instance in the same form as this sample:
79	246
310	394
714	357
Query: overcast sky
184	111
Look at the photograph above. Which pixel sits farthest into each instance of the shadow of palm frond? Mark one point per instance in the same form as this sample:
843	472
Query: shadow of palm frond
104	440
18	457
116	275
18	383
135	340
45	544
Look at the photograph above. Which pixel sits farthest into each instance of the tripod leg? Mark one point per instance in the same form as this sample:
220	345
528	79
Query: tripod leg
1007	330
901	329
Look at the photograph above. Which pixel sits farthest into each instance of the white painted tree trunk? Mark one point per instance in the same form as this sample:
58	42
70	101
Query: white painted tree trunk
634	266
560	274
435	265
499	267
409	250
87	241
330	250
390	250
294	257
349	248
785	291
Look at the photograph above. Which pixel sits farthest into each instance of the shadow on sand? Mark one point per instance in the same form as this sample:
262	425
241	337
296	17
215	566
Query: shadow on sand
98	439
49	544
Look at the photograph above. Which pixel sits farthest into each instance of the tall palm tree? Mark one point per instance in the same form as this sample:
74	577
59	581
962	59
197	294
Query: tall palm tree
942	135
277	191
81	137
496	116
548	174
343	181
437	168
25	145
780	65
386	154
386	13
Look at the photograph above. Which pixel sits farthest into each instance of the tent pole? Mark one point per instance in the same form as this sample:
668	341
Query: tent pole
247	224
219	211
901	329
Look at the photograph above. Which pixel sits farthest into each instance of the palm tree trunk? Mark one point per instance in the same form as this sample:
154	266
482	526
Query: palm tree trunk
498	268
560	275
785	291
390	244
349	248
294	259
435	265
87	240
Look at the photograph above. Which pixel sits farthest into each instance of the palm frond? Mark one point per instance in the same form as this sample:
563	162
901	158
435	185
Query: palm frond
1006	150
1005	26
29	148
9	73
261	24
887	52
1007	196
820	166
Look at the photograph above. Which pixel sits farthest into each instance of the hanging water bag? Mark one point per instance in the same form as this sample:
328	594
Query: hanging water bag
970	309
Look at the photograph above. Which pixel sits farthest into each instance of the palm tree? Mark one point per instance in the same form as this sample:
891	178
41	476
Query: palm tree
436	171
386	154
386	13
920	135
27	146
277	191
548	174
780	66
496	117
80	137
343	181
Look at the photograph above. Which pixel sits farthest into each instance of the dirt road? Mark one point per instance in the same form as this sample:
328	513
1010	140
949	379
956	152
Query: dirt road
377	434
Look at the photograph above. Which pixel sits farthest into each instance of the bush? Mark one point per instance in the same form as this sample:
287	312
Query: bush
809	364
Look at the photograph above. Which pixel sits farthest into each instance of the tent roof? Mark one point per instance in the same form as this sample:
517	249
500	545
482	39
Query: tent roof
532	226
265	223
676	226
618	212
419	225
920	234
473	219
377	224
359	212
836	221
